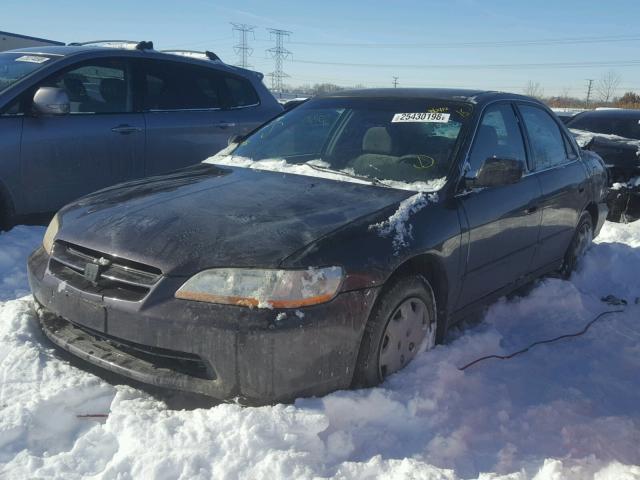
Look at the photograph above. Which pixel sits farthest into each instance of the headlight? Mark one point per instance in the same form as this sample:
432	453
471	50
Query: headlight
50	234
263	288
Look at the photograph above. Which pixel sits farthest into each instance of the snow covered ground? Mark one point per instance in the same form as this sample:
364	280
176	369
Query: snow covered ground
568	410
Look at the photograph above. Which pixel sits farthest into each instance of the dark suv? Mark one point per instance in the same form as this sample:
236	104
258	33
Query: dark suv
77	118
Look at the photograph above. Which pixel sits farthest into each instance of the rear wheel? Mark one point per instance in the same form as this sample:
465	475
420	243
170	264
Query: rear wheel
402	323
581	242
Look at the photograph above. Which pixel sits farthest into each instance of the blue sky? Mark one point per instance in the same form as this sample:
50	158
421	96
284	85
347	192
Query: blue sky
416	40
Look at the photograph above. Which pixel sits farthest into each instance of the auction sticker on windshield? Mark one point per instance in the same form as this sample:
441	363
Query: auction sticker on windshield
32	59
432	117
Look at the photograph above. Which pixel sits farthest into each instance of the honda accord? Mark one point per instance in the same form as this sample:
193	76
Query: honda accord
323	251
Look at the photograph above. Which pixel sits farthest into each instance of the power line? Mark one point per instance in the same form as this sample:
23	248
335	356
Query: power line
475	44
242	49
604	63
395	82
278	53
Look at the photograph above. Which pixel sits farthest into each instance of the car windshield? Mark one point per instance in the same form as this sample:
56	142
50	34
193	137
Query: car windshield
15	66
393	141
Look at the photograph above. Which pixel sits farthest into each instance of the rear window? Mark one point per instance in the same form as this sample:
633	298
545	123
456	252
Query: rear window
628	127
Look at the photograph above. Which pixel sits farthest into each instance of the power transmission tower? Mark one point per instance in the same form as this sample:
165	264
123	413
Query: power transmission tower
278	53
590	80
242	49
395	82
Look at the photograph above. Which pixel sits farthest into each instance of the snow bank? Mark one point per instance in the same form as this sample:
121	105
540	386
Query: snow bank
569	410
280	165
15	246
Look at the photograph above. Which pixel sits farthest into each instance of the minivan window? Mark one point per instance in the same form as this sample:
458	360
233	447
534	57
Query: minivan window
100	86
547	144
16	66
241	92
498	136
175	86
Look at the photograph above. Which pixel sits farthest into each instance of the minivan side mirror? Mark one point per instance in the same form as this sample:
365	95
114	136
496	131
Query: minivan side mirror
496	172
51	101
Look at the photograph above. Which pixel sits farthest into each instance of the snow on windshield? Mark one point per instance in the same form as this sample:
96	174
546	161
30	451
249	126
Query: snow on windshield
280	165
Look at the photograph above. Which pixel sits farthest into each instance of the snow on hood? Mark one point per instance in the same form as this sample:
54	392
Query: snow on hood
583	137
280	165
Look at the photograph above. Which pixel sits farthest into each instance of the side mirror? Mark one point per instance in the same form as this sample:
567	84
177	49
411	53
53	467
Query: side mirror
496	172
236	139
51	101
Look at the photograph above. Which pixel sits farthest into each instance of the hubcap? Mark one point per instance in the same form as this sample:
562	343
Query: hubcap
406	330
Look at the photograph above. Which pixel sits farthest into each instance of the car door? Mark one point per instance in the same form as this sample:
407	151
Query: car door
99	143
563	179
502	222
191	111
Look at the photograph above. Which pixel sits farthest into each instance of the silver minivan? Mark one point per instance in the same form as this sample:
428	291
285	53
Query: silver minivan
77	118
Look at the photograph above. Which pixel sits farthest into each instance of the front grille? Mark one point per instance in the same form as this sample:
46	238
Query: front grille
122	279
180	362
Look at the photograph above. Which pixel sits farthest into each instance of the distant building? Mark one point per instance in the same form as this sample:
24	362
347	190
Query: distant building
10	41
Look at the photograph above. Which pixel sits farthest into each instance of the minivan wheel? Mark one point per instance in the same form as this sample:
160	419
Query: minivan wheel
581	242
402	323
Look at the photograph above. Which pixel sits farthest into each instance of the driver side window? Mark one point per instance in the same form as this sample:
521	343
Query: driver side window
498	136
101	86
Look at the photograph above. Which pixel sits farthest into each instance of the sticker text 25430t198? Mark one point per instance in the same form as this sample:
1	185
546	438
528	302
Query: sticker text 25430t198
435	117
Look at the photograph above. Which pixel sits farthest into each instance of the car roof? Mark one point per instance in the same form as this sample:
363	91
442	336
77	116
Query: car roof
68	50
454	94
612	113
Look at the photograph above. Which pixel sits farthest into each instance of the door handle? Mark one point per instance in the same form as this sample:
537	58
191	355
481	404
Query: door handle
530	210
125	129
225	125
581	190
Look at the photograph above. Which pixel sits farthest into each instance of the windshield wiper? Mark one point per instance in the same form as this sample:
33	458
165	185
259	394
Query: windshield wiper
372	181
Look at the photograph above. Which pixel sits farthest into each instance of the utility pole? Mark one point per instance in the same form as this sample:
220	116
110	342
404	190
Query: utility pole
242	49
278	53
590	80
395	82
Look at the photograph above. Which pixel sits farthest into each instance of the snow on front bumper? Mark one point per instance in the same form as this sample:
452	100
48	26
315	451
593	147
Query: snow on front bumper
259	355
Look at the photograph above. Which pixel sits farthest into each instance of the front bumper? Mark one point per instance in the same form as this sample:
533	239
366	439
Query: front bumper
221	351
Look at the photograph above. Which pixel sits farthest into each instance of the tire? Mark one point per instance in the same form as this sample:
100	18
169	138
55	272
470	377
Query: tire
404	317
580	243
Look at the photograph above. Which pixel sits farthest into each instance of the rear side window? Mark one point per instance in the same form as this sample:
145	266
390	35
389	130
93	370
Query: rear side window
498	136
545	138
241	92
175	86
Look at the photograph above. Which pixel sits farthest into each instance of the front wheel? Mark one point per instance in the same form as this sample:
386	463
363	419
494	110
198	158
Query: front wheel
402	323
580	243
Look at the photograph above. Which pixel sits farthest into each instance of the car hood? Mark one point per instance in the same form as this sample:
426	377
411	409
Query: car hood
209	216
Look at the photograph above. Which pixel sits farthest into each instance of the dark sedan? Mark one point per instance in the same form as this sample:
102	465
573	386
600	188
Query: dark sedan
325	250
